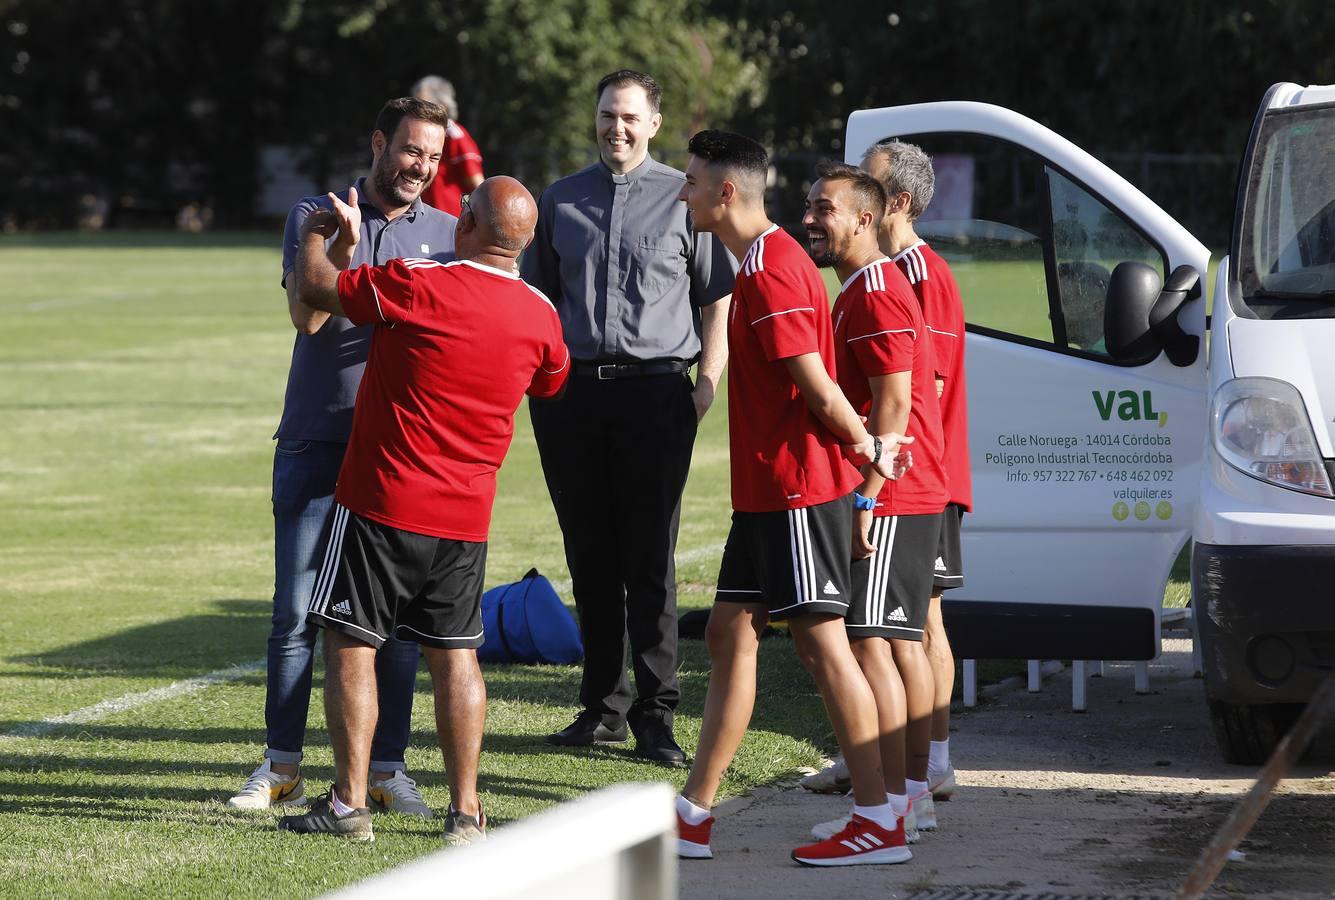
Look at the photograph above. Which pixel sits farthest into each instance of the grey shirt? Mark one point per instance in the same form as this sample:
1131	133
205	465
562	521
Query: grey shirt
327	366
626	271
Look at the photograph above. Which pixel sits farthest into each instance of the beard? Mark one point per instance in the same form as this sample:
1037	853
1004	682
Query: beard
824	259
387	184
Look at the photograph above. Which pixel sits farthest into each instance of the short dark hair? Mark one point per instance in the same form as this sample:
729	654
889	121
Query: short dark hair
867	191
909	171
735	152
627	77
395	111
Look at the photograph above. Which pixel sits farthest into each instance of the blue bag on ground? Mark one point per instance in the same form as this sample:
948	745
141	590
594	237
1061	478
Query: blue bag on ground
526	622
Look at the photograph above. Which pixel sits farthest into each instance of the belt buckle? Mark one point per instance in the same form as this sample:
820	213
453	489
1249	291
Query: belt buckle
607	372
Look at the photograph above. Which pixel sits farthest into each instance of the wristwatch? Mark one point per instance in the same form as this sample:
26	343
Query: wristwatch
862	502
876	450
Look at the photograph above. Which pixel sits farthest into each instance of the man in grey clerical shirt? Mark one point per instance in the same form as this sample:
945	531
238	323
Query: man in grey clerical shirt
641	297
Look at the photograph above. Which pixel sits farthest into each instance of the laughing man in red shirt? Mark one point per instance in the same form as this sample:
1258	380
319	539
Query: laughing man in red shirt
792	435
456	348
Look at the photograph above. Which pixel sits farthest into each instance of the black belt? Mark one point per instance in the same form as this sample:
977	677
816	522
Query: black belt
608	371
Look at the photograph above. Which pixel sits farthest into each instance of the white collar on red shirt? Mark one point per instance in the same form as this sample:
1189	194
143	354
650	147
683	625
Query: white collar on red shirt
513	276
909	249
851	278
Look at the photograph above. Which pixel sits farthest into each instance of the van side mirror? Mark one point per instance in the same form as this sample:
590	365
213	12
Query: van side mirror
1133	289
1141	315
1183	285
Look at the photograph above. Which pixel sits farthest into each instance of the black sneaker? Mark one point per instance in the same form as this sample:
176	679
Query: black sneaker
355	826
461	828
587	730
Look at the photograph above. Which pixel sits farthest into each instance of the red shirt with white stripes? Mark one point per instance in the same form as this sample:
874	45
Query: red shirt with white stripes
782	456
458	347
879	330
460	161
939	295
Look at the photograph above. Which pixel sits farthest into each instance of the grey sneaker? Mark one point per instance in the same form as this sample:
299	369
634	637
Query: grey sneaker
830	780
461	828
355	826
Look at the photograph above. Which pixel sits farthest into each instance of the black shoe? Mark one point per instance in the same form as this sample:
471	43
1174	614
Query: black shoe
654	742
588	729
355	826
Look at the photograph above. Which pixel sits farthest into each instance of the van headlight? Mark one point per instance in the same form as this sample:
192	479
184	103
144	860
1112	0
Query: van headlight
1260	426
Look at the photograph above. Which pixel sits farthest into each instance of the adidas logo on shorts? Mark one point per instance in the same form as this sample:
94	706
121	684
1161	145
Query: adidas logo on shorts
830	590
343	608
898	615
940	564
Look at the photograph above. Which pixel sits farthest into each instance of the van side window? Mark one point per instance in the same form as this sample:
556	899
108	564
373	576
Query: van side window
1089	239
1032	249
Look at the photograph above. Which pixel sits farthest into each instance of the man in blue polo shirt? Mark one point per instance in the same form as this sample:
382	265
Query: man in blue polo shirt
327	363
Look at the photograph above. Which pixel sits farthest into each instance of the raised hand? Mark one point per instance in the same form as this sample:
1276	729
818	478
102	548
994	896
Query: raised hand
322	222
349	216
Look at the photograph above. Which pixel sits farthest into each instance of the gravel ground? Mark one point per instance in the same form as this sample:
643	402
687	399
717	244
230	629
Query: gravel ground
1118	801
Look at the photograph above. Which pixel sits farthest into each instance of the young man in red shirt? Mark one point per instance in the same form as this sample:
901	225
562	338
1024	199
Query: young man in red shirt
906	173
456	348
792	434
883	355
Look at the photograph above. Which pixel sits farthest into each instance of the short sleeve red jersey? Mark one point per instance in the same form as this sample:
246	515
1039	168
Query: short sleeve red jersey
939	295
459	162
782	456
459	346
879	330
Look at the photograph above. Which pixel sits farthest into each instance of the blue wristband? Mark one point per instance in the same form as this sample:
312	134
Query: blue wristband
862	502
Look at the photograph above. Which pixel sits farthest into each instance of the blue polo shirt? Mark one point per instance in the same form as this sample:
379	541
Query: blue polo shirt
327	366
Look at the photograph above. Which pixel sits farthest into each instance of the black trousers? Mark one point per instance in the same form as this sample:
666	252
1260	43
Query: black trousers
615	455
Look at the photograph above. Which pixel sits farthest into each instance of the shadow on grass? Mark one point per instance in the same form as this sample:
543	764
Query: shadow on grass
175	648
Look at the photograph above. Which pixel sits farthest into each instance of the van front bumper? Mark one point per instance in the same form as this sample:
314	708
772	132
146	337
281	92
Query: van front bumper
1265	617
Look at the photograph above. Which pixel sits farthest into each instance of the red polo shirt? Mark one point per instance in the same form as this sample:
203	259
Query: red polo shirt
782	456
458	346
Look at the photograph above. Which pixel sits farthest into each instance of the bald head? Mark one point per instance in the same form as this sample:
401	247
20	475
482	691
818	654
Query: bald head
504	216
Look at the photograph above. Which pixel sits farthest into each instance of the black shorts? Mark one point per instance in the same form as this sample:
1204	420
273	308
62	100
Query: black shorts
892	588
793	561
378	581
949	563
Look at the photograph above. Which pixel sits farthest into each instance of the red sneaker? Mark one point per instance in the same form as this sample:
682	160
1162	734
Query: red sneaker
693	840
861	843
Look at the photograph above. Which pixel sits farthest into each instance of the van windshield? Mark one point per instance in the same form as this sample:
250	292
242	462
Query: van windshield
1286	246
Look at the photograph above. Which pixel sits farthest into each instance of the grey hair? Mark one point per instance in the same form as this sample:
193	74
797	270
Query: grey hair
437	90
909	171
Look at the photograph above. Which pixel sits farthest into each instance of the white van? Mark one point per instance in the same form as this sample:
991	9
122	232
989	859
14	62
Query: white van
1103	435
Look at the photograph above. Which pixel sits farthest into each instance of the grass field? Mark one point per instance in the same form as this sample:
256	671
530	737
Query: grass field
140	380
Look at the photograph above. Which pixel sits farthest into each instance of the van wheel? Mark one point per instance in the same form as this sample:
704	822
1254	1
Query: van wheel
1247	735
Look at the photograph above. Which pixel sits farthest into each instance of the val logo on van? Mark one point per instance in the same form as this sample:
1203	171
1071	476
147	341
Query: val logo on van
1130	406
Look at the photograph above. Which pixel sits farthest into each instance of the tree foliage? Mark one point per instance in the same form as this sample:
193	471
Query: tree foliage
150	104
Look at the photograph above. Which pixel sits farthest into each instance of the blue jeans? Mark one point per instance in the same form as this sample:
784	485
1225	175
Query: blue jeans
304	475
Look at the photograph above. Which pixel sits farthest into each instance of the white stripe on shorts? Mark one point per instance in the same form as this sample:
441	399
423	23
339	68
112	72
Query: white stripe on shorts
324	582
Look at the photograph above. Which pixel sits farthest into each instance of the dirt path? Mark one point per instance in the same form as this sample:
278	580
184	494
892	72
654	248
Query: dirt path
1116	801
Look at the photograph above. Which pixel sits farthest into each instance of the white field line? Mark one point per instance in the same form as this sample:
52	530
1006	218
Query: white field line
127	702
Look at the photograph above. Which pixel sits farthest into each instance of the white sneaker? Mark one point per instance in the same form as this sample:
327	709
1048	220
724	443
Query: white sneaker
911	833
398	793
829	829
830	780
943	785
265	788
925	810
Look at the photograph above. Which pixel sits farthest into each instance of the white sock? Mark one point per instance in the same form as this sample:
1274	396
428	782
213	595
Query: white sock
915	788
340	808
689	812
881	814
899	803
938	757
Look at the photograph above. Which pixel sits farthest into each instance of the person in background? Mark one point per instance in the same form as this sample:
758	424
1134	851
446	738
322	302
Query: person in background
461	163
642	295
328	358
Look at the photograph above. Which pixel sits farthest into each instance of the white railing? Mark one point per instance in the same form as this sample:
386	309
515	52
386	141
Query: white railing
618	843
